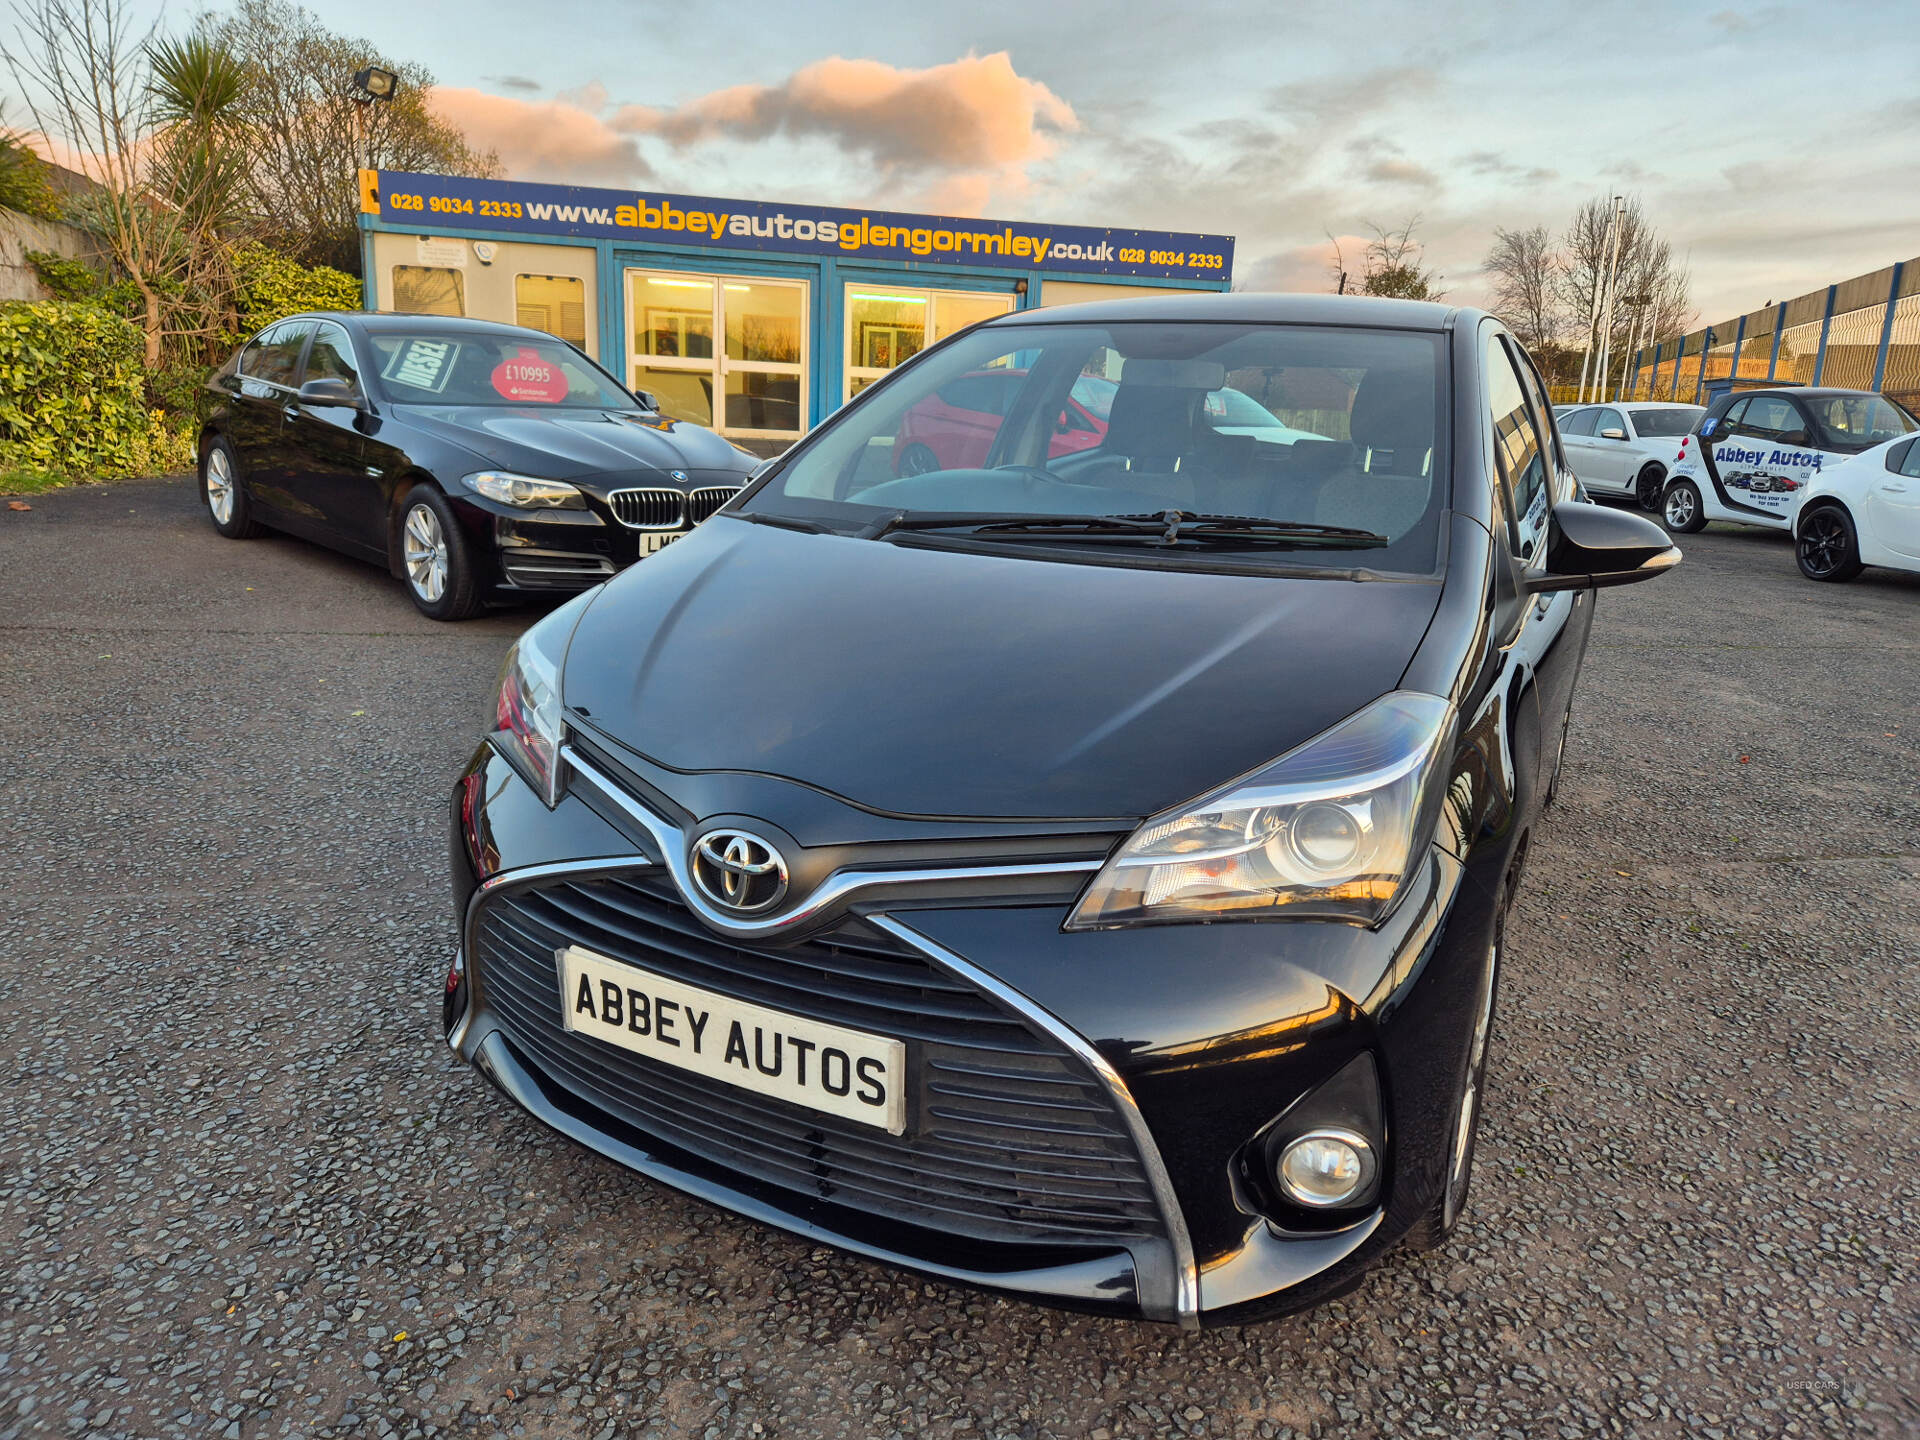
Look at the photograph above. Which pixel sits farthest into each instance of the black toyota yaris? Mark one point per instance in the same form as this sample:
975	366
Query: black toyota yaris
1081	874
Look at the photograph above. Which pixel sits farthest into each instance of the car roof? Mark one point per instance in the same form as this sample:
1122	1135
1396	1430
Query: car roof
1249	308
1650	404
1805	392
375	321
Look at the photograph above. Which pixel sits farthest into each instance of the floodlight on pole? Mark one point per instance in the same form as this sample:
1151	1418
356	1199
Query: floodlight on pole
372	85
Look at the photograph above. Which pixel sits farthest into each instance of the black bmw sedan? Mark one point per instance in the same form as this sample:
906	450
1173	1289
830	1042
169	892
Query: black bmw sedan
1083	873
473	460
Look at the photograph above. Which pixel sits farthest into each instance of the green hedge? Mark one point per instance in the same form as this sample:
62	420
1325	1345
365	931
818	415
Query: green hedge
273	286
73	394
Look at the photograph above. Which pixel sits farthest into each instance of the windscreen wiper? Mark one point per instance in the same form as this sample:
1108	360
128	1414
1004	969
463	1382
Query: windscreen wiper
1169	527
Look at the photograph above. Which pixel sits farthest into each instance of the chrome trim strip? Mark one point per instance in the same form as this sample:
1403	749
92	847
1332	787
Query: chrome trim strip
678	498
672	843
1186	1306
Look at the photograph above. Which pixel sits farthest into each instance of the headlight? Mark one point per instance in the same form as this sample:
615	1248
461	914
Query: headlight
529	723
1330	829
524	491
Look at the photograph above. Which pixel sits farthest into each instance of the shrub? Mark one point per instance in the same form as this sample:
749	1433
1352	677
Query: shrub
73	394
68	279
273	286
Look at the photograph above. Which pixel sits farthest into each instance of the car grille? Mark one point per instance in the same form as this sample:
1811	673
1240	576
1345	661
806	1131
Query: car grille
702	503
1009	1137
649	509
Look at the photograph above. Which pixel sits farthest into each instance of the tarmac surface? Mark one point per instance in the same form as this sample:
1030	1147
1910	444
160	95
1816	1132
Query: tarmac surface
246	1191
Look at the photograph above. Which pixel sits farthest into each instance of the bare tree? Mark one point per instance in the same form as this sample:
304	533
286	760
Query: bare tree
310	137
1525	270
1392	264
1651	291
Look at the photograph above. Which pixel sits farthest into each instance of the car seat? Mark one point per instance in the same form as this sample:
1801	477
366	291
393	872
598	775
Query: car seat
1388	480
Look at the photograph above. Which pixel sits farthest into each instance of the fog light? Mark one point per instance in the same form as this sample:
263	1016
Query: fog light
1325	1168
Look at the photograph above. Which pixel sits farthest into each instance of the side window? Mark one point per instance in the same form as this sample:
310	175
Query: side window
1904	459
1610	420
1725	423
274	358
331	357
1768	417
1517	441
1542	409
1578	422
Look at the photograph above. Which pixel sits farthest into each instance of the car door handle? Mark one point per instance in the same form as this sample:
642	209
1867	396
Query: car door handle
292	412
1894	489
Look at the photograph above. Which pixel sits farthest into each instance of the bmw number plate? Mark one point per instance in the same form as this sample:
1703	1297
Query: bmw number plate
823	1067
654	541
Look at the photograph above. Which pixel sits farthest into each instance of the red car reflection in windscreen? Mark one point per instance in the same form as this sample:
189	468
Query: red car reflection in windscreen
953	428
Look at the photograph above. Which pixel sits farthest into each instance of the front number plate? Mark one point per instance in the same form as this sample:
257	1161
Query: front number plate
654	541
822	1067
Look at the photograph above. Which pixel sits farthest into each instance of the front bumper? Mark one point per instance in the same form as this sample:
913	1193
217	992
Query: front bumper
1200	1036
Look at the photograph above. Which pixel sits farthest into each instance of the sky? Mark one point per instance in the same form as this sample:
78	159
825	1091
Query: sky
1777	146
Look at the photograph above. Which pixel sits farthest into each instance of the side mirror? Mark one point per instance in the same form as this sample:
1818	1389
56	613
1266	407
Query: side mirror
329	391
1591	546
1615	433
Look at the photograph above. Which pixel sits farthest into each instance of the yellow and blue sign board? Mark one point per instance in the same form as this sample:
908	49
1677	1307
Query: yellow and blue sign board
459	203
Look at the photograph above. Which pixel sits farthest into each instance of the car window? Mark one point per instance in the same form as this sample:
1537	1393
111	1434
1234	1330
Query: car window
1094	394
1339	427
275	356
1578	422
476	368
1517	440
1666	422
1606	420
331	357
1770	417
1858	422
1724	423
1904	459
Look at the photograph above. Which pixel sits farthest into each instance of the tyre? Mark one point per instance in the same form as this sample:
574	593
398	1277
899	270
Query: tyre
917	459
228	504
435	558
1681	509
1647	487
1436	1227
1827	547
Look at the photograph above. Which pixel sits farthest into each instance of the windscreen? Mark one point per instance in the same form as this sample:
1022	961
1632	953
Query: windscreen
1659	424
1859	422
1305	425
440	368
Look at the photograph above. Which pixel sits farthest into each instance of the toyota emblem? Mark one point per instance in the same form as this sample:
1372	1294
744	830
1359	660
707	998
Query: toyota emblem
739	872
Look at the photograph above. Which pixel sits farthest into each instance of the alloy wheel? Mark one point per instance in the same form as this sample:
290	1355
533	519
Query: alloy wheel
1679	508
1649	488
1823	543
219	485
425	546
1463	1124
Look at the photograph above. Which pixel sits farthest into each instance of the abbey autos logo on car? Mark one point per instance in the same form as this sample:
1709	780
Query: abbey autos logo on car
1752	475
447	202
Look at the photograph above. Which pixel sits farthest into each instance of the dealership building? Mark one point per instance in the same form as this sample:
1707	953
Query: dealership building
753	317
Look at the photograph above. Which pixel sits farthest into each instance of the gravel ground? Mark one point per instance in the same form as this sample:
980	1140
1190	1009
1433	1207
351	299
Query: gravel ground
245	1190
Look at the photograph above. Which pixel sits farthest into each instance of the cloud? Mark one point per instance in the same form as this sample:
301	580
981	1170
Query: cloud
1400	172
514	82
544	139
1491	162
1730	22
971	120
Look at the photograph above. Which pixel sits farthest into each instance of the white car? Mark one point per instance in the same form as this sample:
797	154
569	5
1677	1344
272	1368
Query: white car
1755	453
1626	449
1863	511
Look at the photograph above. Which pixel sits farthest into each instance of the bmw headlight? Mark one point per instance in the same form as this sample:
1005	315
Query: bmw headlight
1331	829
529	723
524	491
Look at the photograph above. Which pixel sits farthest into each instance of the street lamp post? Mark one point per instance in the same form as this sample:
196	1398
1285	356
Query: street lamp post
372	86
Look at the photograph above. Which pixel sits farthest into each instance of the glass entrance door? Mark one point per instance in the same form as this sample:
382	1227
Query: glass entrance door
751	385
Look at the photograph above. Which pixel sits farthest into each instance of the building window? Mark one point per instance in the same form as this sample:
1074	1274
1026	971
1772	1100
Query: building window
887	325
758	370
556	304
429	290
